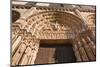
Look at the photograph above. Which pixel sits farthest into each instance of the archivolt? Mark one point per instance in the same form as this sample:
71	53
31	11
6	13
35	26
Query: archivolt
70	20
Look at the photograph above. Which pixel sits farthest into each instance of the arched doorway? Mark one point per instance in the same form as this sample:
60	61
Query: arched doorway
35	25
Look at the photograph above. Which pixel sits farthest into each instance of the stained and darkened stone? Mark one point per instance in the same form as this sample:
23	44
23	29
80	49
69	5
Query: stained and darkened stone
15	15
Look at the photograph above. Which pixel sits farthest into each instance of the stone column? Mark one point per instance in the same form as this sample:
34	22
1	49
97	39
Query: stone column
32	46
91	44
82	52
80	49
88	50
91	36
76	51
16	44
17	56
16	38
25	56
34	53
18	48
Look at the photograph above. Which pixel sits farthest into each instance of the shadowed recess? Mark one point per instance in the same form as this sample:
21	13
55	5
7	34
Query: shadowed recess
15	15
55	53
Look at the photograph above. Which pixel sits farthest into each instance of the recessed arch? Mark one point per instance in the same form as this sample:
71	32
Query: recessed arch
70	20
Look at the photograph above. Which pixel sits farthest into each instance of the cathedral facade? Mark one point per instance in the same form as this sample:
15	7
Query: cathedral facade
46	33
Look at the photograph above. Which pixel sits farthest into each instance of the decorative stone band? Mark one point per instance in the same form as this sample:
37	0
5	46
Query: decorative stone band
56	35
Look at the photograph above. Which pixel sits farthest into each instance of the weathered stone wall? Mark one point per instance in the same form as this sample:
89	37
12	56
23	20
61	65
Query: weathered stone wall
38	23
